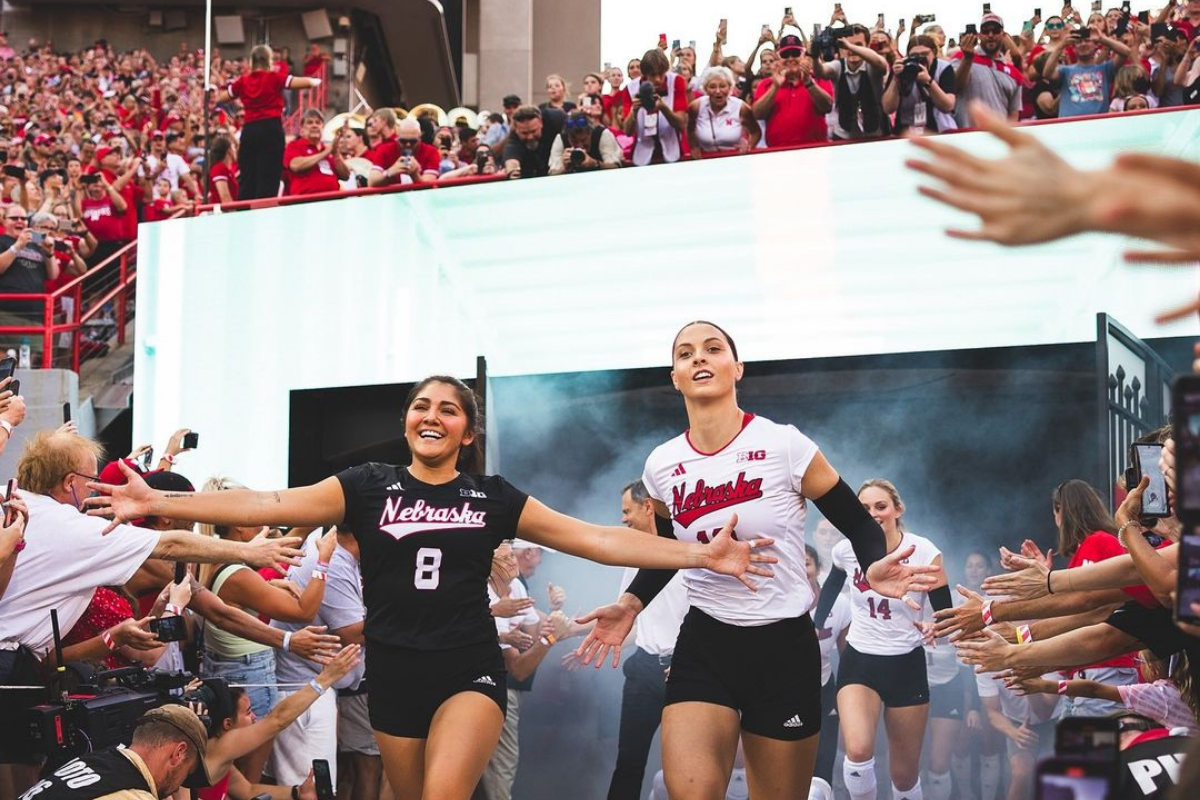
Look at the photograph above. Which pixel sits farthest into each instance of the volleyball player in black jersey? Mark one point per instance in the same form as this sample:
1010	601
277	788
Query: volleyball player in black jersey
427	533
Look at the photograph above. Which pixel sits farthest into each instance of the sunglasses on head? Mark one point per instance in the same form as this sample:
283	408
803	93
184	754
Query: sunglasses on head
576	124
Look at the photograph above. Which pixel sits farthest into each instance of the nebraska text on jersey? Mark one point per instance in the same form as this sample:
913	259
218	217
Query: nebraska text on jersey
687	507
400	520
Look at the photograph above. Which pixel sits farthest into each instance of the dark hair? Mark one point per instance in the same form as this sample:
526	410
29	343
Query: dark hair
470	457
637	491
466	134
922	41
856	29
1083	513
220	148
655	63
812	553
728	338
526	113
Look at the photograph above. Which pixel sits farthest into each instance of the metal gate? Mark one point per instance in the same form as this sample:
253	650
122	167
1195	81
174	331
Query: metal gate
1134	391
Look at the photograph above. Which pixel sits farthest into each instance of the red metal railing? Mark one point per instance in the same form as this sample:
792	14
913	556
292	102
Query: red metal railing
105	286
315	97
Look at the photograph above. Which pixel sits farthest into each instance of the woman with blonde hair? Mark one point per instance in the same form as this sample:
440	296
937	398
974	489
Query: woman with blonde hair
717	121
556	95
883	669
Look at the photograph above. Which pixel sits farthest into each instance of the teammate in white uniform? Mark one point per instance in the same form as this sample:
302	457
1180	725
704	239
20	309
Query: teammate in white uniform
744	664
883	665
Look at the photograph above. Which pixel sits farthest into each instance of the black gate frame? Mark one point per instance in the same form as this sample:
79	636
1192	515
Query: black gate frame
1127	410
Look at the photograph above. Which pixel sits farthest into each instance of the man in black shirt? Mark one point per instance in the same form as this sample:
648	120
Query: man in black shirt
168	743
527	148
26	260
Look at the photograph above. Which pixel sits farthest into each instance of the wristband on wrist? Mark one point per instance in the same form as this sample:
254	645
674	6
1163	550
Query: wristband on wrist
167	457
319	575
986	612
171	608
1023	634
287	640
1062	687
107	638
1049	588
316	687
549	640
295	793
6	426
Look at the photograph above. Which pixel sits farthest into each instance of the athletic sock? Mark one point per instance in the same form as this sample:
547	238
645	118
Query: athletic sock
960	767
940	785
860	779
910	794
989	777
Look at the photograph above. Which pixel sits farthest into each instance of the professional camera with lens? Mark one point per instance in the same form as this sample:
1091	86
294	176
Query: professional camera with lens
93	711
825	42
575	159
647	96
912	68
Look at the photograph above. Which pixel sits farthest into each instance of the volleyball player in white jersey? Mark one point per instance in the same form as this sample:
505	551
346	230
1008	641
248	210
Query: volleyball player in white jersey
745	664
883	665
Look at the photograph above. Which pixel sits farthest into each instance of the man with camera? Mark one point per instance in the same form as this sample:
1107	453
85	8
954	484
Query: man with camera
792	101
416	161
857	77
982	74
920	90
583	147
168	743
102	209
1086	85
26	262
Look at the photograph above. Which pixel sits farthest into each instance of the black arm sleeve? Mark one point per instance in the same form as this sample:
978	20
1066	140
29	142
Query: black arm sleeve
829	594
649	582
841	507
940	598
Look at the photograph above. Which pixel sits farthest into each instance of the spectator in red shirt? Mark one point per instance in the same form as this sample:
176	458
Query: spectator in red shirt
792	102
314	167
417	163
382	149
261	93
223	174
102	209
314	61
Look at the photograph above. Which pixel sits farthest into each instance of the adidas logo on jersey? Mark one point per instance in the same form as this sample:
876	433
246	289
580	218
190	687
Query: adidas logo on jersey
679	470
486	680
395	487
794	722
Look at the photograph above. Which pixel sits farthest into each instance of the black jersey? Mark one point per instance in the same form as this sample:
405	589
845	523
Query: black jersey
426	552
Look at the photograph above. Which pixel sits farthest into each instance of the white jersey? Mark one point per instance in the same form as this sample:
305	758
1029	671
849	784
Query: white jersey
757	476
882	626
837	621
657	627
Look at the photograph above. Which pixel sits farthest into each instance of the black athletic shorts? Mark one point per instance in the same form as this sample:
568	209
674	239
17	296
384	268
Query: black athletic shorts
408	686
946	700
898	680
771	674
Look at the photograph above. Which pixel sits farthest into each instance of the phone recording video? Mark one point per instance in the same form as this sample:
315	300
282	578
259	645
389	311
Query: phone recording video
1087	737
169	629
1187	580
191	440
66	412
8	493
322	779
1144	461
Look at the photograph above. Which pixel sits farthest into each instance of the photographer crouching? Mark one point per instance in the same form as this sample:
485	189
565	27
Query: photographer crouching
920	91
583	147
169	742
66	554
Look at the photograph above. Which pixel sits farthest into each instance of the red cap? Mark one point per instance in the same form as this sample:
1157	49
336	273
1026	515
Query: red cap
43	138
112	474
102	152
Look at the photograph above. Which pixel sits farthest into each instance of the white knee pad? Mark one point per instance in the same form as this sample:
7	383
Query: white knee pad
940	786
859	778
912	794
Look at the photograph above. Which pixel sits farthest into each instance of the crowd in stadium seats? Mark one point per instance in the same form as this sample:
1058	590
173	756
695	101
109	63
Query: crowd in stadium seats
139	125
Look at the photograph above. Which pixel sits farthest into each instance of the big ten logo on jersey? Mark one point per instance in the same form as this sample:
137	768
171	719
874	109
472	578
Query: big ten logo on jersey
689	506
751	455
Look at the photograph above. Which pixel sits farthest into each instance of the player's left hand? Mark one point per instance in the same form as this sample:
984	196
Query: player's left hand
891	577
729	556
